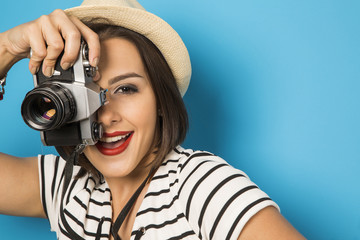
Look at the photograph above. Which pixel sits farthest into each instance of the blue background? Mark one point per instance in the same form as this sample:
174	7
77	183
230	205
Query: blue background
275	91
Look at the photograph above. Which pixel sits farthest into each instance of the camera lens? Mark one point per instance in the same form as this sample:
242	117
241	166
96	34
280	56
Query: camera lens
48	107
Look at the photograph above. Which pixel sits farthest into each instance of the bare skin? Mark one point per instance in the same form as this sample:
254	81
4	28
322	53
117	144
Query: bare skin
20	178
269	224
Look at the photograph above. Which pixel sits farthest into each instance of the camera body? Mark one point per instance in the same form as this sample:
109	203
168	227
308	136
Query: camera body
63	107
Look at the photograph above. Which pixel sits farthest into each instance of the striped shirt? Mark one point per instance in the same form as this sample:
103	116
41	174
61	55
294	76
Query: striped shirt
193	195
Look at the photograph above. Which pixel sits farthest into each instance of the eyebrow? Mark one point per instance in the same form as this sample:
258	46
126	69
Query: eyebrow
124	76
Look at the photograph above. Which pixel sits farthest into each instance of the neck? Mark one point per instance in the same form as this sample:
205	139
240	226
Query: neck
119	201
122	188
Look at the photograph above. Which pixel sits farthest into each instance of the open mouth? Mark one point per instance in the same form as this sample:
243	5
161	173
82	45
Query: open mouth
114	143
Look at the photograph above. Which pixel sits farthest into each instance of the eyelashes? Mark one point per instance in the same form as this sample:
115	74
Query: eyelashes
126	89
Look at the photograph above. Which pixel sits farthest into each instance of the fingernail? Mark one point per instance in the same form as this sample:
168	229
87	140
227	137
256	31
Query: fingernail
66	65
33	69
97	76
49	71
95	62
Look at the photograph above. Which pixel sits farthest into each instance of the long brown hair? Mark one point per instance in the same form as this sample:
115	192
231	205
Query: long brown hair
172	123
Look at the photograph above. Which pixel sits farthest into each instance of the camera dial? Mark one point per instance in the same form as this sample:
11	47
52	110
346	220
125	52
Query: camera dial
89	70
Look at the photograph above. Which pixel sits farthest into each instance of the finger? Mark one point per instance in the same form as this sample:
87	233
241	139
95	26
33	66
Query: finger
55	44
37	46
91	38
97	76
38	53
72	36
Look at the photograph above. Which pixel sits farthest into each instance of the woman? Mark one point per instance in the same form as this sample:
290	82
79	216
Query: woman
136	182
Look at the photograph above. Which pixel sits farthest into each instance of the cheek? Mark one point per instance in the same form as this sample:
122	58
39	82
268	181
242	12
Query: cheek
144	116
140	113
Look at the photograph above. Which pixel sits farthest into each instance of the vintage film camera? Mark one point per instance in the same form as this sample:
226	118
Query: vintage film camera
63	107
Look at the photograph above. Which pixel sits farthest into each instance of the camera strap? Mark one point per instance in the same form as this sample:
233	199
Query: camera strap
125	211
68	172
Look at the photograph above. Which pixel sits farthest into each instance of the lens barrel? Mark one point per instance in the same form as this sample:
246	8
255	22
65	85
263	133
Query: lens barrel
47	107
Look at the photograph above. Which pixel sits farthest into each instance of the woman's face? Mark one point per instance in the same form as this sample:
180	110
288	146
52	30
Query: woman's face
129	118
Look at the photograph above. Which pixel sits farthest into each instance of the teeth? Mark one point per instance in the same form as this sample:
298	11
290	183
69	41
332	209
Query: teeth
114	139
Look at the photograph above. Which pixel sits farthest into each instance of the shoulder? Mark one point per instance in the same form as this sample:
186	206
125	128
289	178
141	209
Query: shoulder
186	159
51	168
194	167
87	199
186	169
214	195
203	173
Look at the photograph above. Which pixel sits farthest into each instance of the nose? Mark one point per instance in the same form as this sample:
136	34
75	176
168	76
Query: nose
107	115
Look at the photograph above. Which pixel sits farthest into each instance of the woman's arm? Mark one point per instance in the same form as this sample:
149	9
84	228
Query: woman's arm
269	224
47	37
19	188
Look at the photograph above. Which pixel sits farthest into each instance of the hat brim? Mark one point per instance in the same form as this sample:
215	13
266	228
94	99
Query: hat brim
151	26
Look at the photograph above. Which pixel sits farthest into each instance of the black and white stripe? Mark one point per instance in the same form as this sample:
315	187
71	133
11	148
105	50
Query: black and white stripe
193	195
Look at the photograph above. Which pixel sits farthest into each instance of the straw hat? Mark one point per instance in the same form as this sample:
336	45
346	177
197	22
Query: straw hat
130	14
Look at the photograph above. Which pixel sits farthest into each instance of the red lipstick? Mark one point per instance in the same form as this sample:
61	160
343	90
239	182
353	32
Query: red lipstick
114	148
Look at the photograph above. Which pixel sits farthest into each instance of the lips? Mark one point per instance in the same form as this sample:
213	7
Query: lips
114	143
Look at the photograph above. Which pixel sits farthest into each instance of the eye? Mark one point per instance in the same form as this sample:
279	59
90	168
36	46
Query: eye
126	89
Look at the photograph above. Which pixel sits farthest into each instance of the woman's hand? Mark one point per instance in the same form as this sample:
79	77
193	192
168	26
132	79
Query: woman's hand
47	37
